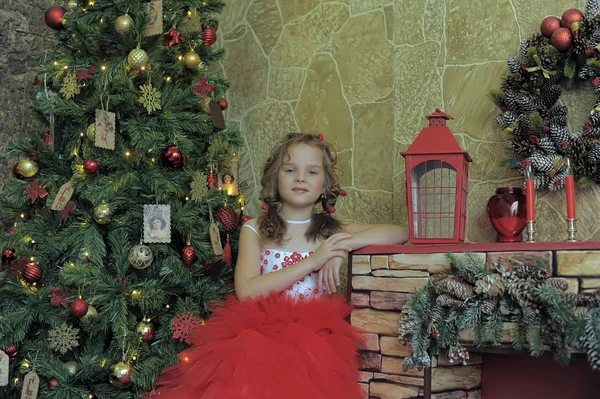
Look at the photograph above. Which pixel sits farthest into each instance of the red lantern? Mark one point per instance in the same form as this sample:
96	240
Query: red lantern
437	184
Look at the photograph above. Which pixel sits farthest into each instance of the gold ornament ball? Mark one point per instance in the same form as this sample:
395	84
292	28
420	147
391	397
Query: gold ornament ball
90	315
102	213
137	58
91	132
71	368
28	167
72	4
145	329
123	24
140	256
120	374
191	59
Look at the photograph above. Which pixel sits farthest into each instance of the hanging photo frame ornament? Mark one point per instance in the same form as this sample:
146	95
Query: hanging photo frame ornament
155	27
157	223
63	196
3	369
215	236
105	127
31	385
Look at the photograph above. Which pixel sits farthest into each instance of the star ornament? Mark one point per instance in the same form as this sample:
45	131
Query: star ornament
172	38
69	208
34	190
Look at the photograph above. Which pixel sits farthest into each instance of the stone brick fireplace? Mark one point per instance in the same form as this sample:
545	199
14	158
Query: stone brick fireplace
380	282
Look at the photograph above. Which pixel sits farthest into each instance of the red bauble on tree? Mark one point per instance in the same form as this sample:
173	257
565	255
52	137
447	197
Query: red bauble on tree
209	36
53	383
173	158
11	351
188	255
91	167
562	39
54	17
79	307
571	16
32	273
228	218
223	104
549	25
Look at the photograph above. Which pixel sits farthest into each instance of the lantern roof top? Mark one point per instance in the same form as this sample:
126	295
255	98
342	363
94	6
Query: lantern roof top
436	138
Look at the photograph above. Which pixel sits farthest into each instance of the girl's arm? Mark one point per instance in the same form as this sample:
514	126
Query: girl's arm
374	234
250	283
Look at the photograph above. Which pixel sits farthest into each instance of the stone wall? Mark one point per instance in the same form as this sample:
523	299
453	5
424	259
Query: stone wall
366	72
381	285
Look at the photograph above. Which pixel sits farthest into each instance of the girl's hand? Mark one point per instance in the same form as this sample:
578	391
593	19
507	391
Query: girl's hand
333	247
330	275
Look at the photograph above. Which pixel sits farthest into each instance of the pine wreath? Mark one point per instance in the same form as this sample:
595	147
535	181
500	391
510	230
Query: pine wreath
566	53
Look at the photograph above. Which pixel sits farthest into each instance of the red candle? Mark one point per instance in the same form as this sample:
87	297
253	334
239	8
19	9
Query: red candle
530	199
570	187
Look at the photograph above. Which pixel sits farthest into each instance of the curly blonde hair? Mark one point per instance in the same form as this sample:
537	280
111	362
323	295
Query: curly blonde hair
323	224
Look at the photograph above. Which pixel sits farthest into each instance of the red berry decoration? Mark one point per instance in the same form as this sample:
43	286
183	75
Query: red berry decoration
210	36
223	104
571	16
549	25
79	307
91	167
173	158
228	218
54	17
32	273
562	39
343	193
188	255
53	383
245	218
12	351
8	255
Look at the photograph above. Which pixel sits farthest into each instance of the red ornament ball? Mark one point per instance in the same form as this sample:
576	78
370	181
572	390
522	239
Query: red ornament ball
32	273
12	351
54	17
91	167
570	16
562	39
188	255
17	173
79	307
173	158
209	36
549	25
223	104
8	255
228	218
53	383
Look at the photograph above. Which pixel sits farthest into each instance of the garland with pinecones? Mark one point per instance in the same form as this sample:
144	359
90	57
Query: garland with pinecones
543	314
531	116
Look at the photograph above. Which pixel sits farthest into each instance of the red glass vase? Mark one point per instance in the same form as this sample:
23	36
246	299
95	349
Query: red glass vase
507	212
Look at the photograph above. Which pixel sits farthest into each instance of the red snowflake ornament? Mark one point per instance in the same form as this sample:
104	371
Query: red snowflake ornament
69	208
172	38
34	190
183	325
59	297
18	266
84	74
202	88
596	81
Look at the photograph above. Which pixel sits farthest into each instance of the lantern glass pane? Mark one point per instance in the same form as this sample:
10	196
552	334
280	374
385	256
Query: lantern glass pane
434	200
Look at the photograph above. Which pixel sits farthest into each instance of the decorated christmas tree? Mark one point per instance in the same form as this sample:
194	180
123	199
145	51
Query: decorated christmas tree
126	209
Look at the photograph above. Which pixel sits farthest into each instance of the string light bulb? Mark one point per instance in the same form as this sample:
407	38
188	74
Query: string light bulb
127	153
103	68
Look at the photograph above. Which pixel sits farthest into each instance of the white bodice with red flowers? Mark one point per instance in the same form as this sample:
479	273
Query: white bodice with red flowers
272	260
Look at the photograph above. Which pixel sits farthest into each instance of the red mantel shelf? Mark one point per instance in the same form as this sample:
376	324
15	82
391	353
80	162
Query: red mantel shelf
477	247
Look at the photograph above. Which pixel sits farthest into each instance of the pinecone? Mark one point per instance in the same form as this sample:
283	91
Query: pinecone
550	95
578	148
557	115
559	135
530	315
510	100
455	288
542	163
436	313
576	299
547	145
586	72
489	306
591	9
557	182
435	277
523	47
580	312
449	302
491	285
540	180
508	119
525	104
558	283
513	65
407	326
594	154
522	291
519	145
579	46
523	271
507	307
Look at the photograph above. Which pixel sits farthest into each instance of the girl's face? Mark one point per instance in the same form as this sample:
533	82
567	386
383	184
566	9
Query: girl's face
157	224
301	177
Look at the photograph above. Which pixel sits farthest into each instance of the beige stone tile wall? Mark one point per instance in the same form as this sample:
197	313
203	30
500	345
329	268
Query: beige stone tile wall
366	72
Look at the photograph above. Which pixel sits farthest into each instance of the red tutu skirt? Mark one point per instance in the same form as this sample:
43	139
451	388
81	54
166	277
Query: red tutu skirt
270	348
